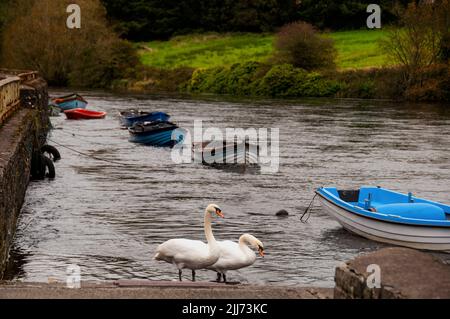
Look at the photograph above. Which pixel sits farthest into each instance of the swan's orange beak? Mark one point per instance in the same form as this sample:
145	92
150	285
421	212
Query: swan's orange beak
261	252
219	213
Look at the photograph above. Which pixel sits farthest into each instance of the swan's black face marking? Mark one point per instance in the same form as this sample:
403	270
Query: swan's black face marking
219	212
261	250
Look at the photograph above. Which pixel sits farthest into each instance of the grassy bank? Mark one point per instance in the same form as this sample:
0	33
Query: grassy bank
240	64
356	49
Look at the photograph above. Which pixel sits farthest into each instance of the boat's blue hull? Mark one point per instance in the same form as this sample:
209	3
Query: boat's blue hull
69	105
162	139
129	121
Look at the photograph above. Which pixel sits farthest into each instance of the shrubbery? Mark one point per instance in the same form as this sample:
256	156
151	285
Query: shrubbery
253	78
301	45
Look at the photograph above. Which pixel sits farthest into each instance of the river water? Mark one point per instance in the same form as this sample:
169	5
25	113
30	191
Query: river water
109	218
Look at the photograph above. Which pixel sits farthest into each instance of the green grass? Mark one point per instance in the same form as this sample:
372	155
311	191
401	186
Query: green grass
359	49
356	49
201	51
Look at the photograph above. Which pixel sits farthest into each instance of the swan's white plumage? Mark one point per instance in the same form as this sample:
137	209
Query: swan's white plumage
236	255
186	253
192	254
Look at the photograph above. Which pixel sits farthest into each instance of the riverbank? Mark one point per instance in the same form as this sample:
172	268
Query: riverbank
260	79
244	65
146	289
402	273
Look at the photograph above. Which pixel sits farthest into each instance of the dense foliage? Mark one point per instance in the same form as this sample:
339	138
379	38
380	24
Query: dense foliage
254	78
345	14
37	38
160	19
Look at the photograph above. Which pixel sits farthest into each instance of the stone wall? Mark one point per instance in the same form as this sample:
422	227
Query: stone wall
20	136
404	273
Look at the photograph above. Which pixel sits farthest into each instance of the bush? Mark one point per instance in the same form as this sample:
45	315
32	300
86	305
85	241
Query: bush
286	80
300	44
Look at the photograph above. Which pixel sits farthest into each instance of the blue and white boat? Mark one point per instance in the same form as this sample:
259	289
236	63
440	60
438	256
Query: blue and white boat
157	133
69	102
131	117
390	217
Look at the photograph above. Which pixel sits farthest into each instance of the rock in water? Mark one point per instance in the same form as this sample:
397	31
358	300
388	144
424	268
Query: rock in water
282	213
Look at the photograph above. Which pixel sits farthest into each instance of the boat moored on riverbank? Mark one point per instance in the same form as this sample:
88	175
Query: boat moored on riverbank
157	133
82	114
68	102
131	117
390	217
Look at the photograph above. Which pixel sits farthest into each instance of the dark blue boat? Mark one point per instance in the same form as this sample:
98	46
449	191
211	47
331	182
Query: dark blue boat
129	118
157	133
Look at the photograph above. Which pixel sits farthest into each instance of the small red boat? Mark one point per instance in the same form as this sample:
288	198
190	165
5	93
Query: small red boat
82	114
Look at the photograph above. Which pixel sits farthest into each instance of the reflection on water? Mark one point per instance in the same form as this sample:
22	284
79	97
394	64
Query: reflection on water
108	218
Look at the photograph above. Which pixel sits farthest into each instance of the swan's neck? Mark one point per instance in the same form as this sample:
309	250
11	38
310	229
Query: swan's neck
244	241
208	230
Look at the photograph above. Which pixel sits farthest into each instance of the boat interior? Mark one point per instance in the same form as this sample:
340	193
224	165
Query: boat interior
377	199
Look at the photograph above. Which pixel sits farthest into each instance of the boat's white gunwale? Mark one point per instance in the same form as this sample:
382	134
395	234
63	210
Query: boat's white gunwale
379	219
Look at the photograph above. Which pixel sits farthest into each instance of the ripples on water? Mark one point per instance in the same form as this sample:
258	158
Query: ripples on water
109	219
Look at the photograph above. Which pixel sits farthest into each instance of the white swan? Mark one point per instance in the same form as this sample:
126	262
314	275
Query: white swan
236	255
192	254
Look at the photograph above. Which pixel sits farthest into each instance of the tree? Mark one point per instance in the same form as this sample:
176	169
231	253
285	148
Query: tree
301	45
37	38
420	40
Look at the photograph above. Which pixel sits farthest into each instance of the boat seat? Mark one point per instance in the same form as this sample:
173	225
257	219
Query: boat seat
412	210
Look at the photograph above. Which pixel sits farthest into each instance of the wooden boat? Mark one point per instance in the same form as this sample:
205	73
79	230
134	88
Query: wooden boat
131	117
82	114
157	133
386	216
71	101
223	152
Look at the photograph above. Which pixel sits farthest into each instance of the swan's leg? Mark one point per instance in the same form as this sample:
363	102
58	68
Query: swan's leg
193	275
224	278
179	274
219	276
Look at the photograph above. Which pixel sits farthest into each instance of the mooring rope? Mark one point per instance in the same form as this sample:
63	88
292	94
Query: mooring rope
310	206
90	156
77	136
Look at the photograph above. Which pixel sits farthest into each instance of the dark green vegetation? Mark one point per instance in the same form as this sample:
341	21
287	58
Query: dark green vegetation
162	19
142	20
345	14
